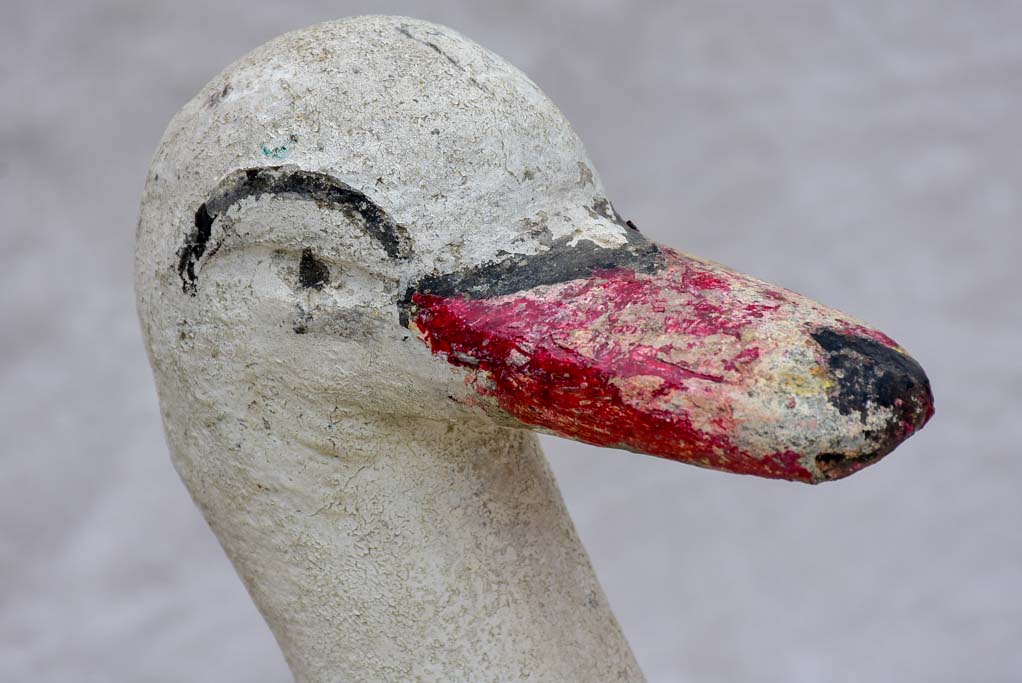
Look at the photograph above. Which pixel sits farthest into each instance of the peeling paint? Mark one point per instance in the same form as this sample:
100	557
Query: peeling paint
685	363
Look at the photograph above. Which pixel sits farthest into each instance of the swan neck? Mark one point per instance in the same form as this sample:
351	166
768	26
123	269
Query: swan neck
408	550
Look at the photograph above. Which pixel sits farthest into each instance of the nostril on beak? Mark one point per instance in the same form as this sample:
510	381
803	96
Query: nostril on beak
870	378
839	465
830	464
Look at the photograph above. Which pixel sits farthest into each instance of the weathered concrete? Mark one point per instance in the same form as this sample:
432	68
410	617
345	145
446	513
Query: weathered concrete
312	217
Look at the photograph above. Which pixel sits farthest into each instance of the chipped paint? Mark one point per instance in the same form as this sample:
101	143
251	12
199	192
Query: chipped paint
275	152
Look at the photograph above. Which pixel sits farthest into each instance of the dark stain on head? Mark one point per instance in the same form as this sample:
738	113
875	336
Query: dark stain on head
312	273
602	208
301	321
867	372
217	95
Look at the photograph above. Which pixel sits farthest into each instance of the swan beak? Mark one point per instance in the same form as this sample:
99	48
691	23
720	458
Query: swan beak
691	362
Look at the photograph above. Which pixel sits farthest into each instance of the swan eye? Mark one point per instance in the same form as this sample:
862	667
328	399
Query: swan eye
312	273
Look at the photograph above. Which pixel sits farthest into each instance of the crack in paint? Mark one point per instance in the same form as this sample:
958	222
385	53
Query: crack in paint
403	29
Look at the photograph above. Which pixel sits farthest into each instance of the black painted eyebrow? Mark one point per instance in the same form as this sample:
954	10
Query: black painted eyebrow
293	183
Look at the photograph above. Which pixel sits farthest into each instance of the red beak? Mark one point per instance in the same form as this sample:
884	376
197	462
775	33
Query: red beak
691	362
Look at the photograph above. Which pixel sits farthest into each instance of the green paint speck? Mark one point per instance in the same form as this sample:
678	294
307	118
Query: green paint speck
279	152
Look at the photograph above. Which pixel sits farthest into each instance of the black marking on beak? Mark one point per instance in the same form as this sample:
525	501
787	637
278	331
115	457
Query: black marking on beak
292	183
511	273
867	371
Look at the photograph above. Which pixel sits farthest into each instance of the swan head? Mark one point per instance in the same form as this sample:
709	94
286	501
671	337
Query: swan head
378	216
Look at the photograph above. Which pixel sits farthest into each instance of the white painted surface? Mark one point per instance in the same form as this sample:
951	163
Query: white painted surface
865	156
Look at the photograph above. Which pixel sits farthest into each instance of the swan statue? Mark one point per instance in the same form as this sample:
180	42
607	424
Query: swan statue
373	259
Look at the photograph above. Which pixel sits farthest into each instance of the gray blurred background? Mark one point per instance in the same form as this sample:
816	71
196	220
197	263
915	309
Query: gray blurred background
867	154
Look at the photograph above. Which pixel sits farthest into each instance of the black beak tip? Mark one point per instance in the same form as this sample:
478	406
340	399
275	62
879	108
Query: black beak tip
871	375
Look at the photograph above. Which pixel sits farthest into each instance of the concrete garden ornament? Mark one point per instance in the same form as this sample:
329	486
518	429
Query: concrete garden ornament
373	259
